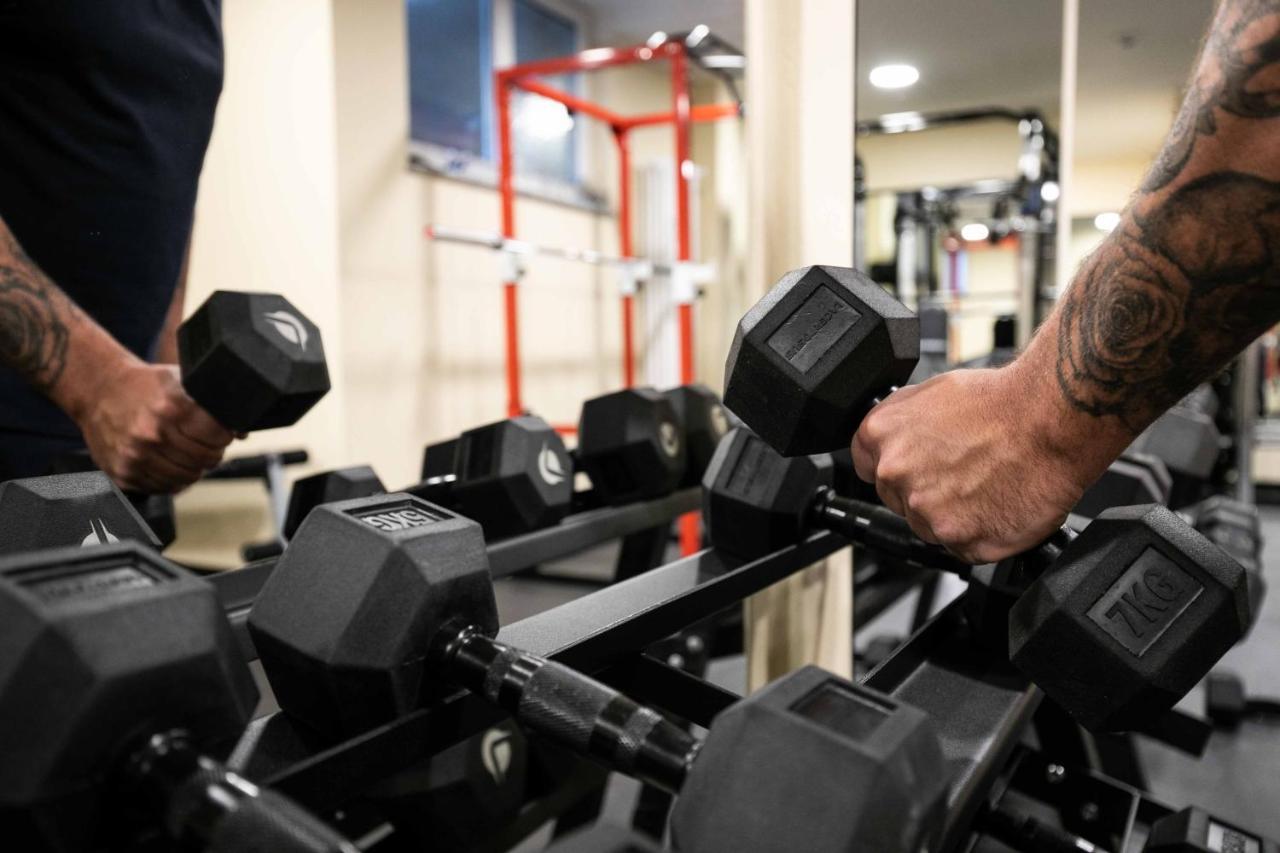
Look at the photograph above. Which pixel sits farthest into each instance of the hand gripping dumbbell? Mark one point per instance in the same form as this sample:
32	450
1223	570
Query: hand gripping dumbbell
121	689
382	604
1117	623
512	476
252	360
1155	607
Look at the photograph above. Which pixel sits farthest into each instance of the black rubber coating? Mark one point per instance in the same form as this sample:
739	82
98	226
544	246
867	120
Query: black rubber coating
270	823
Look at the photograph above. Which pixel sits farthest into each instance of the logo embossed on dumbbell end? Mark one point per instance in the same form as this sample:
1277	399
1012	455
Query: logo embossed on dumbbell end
391	520
813	328
669	438
98	534
495	754
550	468
289	327
1141	605
719	421
97	582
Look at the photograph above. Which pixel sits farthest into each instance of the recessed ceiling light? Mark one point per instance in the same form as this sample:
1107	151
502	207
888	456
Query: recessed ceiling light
974	232
893	76
1106	221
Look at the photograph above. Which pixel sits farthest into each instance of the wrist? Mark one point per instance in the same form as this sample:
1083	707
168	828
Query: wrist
94	366
1076	442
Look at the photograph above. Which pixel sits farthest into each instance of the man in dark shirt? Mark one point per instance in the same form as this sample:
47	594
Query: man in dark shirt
105	114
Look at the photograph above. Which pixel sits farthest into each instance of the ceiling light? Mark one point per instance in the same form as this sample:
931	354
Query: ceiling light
902	122
656	39
975	232
696	35
1050	191
893	76
1106	221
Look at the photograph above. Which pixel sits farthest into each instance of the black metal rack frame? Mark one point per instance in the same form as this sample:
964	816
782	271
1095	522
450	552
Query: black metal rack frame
981	706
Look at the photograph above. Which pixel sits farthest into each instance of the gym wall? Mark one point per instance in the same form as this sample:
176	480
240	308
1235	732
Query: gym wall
307	191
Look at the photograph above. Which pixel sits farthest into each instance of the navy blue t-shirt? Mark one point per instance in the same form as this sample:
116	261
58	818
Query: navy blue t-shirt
106	107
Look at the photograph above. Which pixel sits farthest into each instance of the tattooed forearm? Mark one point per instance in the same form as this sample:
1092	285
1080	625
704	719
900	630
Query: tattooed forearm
34	317
1236	74
1192	274
1172	295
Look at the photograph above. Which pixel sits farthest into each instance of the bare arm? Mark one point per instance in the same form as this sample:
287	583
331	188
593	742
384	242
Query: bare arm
44	337
167	345
140	426
1192	273
989	462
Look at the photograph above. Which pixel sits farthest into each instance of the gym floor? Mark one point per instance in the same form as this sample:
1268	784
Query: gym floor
1236	779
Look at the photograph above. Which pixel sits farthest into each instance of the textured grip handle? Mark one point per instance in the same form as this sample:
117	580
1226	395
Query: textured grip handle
881	528
574	710
271	823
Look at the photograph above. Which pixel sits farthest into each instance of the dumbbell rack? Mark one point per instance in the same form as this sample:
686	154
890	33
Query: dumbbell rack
980	706
238	589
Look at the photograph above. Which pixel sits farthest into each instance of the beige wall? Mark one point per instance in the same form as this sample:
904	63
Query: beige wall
306	191
267	219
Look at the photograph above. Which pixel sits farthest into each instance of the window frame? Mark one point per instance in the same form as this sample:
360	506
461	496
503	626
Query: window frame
443	161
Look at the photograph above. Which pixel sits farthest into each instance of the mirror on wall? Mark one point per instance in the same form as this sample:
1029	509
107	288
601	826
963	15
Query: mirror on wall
957	109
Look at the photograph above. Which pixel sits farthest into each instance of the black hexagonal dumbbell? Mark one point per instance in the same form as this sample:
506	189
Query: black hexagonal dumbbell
1193	830
512	476
1115	625
704	420
631	444
68	509
381	604
156	510
826	343
1134	478
1234	527
252	360
811	358
121	688
1187	440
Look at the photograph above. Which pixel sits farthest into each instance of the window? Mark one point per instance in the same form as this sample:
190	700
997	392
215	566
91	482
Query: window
452	50
546	134
450	63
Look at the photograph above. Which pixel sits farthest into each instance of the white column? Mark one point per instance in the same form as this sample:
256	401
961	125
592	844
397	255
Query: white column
800	118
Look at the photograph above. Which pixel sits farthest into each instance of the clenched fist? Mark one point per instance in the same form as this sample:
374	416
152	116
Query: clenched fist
146	433
986	463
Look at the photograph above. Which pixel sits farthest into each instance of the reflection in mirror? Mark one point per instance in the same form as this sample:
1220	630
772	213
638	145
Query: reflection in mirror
957	149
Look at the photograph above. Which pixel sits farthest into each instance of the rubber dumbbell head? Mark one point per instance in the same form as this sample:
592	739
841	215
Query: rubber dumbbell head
631	445
342	484
705	422
1135	612
1193	829
810	358
1134	478
461	793
512	476
252	360
100	645
814	762
67	509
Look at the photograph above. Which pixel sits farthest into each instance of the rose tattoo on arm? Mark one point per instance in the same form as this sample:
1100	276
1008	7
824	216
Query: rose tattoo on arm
1192	274
34	315
1171	296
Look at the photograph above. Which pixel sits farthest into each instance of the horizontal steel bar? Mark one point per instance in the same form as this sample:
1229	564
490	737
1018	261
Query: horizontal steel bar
237	589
